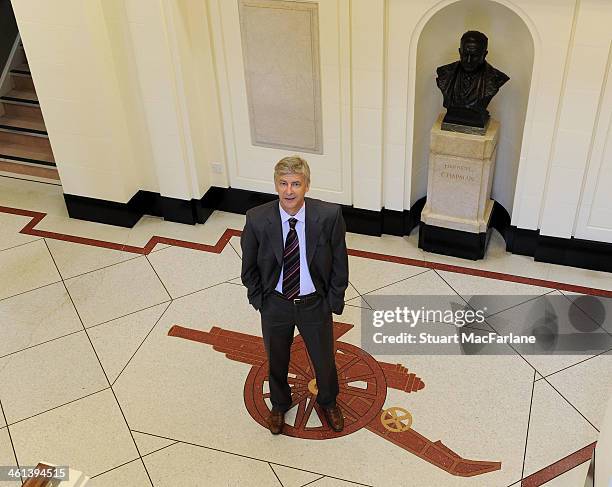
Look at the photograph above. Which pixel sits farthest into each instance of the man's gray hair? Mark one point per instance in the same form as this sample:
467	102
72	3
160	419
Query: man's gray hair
292	165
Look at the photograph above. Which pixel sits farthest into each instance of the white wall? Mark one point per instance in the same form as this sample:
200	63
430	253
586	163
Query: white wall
549	24
192	27
155	40
142	94
251	167
582	164
197	63
128	85
118	84
510	50
70	55
367	98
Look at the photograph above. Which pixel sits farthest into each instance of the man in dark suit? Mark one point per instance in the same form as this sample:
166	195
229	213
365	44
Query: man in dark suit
295	269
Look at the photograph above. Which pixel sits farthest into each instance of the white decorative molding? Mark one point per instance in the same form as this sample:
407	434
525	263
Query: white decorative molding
180	100
5	87
250	166
594	218
280	47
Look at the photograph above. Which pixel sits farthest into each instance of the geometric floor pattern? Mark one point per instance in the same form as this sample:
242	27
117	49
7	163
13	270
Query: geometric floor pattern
90	378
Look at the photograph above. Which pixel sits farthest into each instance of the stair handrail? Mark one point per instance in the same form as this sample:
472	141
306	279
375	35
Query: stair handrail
5	85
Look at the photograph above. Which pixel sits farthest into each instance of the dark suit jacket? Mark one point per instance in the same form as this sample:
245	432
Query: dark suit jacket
262	251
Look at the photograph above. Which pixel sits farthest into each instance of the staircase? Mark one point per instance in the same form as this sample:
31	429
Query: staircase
25	151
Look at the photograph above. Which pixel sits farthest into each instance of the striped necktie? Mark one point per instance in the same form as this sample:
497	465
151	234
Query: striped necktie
291	263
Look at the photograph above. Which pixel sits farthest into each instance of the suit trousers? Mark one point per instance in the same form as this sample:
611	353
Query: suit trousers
279	316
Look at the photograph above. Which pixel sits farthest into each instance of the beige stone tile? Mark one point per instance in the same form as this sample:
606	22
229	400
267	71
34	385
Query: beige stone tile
132	474
235	243
449	259
25	268
167	391
170	374
116	341
350	315
90	435
556	325
175	466
182	364
406	246
221	220
426	283
555	429
115	291
82	228
11	225
597	308
332	482
468	285
497	259
350	292
367	275
30	195
149	226
579	277
187	270
513	264
70	371
35	317
575	477
73	259
587	385
159	246
469	406
494	294
426	289
7	457
149	443
292	477
208	232
358	302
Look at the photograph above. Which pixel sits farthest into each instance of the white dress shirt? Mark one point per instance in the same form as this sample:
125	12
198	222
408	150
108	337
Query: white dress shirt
306	284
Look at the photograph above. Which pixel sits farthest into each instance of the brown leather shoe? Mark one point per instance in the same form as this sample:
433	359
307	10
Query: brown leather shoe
276	421
334	418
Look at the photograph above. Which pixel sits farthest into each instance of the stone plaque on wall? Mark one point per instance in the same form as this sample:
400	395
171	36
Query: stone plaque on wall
280	47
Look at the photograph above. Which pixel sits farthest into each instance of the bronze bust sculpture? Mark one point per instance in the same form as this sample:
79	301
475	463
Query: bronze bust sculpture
468	85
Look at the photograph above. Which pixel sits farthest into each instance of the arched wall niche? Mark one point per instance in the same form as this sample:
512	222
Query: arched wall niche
512	49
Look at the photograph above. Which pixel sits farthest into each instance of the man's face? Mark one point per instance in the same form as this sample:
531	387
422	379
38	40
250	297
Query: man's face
472	55
291	189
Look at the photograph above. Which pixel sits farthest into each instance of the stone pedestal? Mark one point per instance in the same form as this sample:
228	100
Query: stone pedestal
457	213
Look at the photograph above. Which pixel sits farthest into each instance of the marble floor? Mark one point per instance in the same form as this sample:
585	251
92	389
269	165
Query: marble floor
93	375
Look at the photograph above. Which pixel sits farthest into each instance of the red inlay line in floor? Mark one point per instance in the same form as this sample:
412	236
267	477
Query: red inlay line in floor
229	233
560	467
481	273
535	480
